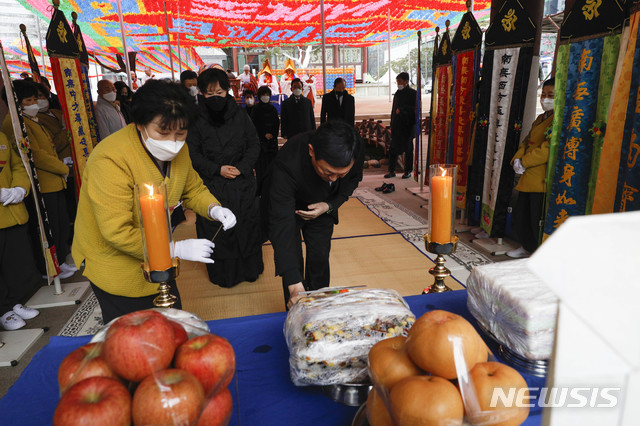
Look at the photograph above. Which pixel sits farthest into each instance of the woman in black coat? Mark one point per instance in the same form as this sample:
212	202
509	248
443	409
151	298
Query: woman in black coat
265	118
224	148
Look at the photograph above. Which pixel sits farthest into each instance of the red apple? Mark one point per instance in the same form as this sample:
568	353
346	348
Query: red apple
139	343
86	361
179	333
94	401
210	358
168	397
217	411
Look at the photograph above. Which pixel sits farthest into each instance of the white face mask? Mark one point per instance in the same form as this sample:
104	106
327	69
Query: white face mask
297	92
31	110
109	97
547	104
249	101
400	86
193	90
265	99
43	105
163	150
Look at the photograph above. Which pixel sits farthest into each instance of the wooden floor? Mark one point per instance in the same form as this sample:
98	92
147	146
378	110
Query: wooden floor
364	251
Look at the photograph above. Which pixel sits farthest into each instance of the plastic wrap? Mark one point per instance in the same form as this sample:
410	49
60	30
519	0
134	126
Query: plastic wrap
158	366
516	307
329	335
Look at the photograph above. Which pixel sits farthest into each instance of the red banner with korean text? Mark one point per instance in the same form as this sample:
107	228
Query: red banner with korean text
68	81
439	145
462	119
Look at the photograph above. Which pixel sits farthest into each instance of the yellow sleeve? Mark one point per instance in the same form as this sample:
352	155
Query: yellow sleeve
19	176
537	156
110	191
196	196
44	159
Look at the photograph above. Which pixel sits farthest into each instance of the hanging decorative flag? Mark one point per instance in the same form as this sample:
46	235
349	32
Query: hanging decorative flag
86	85
432	105
466	64
618	179
506	66
584	79
442	95
24	148
417	158
67	75
33	63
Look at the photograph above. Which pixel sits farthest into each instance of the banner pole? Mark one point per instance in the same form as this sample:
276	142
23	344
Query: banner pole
178	36
389	47
419	161
324	57
166	26
124	44
44	66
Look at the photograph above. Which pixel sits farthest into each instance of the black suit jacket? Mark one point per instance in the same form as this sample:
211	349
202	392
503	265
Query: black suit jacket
292	184
403	124
296	117
332	110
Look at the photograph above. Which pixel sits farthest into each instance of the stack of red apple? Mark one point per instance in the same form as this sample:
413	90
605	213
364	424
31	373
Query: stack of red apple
415	377
147	371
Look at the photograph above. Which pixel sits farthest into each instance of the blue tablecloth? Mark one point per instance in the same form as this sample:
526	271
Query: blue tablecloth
263	392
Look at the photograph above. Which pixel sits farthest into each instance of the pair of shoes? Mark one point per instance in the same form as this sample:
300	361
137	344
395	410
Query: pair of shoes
66	267
389	189
383	187
25	312
518	253
12	321
390	175
482	235
407	175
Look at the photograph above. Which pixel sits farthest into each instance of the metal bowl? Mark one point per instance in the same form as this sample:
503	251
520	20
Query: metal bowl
352	395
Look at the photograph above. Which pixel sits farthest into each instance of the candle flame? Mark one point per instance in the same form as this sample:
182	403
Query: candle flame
444	171
150	188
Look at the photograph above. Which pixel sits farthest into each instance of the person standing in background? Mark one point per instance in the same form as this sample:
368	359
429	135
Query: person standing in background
296	113
247	80
54	101
108	114
265	118
249	100
403	124
266	78
148	75
123	99
338	104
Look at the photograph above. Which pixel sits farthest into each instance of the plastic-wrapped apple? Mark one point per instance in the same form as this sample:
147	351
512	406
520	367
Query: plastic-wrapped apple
84	362
210	358
217	411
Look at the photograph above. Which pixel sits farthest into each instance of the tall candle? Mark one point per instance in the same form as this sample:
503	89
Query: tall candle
441	205
156	231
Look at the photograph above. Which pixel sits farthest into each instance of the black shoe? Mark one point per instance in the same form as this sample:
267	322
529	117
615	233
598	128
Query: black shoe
390	175
407	175
383	187
389	189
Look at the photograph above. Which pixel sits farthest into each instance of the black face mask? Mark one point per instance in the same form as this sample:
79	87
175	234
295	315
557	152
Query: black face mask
338	93
215	104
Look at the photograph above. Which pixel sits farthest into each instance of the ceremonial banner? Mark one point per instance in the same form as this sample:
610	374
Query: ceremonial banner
612	161
24	148
466	63
33	63
67	75
510	39
417	158
438	148
432	104
86	86
586	70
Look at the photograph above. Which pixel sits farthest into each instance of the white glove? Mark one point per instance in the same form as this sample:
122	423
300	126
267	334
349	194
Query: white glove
196	250
224	216
12	195
68	161
518	167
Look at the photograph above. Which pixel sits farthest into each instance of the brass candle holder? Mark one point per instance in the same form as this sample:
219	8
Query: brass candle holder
165	299
439	272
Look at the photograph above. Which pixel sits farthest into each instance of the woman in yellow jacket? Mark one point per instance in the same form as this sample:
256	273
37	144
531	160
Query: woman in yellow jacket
52	172
18	273
107	235
531	161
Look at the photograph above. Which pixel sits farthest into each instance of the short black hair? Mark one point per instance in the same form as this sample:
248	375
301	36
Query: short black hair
248	92
22	89
296	80
44	81
42	89
549	82
338	81
403	76
336	143
119	85
187	75
264	90
171	101
210	76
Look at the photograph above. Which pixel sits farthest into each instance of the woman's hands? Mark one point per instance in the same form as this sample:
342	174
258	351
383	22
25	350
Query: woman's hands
229	172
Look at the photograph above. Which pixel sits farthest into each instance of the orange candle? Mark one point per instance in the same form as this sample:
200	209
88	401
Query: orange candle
441	202
156	231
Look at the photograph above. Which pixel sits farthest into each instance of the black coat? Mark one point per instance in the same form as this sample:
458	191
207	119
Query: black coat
297	117
333	110
403	124
292	184
265	118
238	252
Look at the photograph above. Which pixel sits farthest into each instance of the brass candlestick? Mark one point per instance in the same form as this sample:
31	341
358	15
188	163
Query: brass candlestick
164	299
439	272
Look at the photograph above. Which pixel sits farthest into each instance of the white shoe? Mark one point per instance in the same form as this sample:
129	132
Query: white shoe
518	253
62	275
482	235
12	321
25	312
66	267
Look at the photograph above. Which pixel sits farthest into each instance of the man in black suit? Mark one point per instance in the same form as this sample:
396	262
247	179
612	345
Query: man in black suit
338	104
311	177
403	126
296	112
